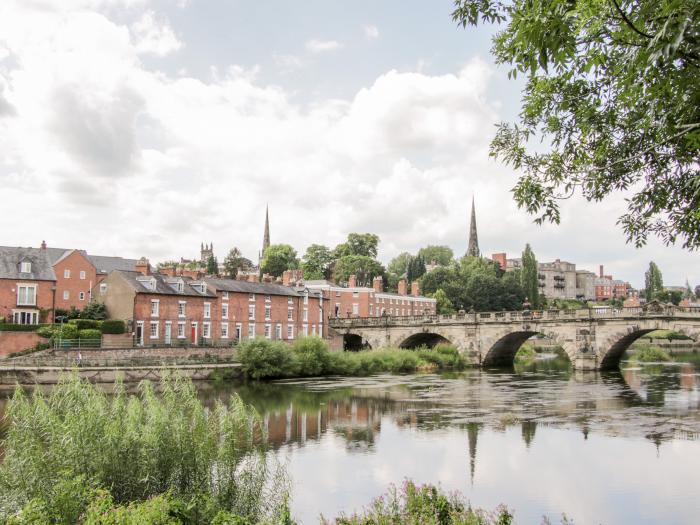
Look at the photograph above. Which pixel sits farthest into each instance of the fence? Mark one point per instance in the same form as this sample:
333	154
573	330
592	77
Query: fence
74	344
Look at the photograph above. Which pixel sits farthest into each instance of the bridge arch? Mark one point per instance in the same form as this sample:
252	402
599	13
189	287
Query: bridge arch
502	351
355	342
429	339
615	345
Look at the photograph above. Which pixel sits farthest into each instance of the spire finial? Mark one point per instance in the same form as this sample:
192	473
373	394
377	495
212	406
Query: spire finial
473	247
266	234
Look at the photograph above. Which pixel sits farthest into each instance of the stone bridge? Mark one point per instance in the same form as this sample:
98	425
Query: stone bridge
593	338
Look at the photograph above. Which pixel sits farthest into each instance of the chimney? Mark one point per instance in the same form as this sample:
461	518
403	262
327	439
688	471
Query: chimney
143	266
168	270
43	245
352	282
601	271
415	289
402	287
378	284
253	278
500	258
286	277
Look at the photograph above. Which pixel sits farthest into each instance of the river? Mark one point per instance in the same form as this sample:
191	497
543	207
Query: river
603	448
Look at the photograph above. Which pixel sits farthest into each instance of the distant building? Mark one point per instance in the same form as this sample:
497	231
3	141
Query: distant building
607	288
473	246
27	285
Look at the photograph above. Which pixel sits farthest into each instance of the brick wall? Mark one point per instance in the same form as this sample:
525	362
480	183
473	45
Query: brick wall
72	286
17	341
8	297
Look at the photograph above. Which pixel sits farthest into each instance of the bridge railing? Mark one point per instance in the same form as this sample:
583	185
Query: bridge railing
518	316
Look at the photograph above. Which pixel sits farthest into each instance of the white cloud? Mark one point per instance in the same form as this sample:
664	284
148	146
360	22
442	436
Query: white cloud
286	62
371	32
153	36
322	46
159	163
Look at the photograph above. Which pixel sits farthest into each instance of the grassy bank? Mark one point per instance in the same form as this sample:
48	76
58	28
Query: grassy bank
311	357
649	354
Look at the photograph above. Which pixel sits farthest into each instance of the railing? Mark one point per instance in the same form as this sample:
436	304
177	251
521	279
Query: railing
518	316
75	344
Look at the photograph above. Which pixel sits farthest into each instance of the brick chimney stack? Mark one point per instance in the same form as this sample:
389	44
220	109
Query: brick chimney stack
352	282
403	287
43	245
286	277
169	271
378	284
143	266
601	271
415	289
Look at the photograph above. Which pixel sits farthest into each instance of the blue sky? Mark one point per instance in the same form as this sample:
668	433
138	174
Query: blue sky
149	126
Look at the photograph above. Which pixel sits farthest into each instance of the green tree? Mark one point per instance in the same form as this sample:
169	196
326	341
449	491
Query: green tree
278	258
399	265
442	255
444	305
697	291
528	277
365	244
653	282
613	88
317	261
212	266
364	268
235	261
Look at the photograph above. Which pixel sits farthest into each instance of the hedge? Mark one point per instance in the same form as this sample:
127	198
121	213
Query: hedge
89	333
11	327
113	326
84	324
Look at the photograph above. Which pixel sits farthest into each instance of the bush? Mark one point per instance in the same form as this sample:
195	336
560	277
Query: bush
312	356
264	359
426	504
89	333
63	447
113	326
11	327
526	353
646	354
84	324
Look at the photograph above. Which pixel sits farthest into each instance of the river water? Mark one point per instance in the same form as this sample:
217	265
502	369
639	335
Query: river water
603	448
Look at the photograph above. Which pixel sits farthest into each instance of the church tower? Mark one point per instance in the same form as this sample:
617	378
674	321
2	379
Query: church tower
473	248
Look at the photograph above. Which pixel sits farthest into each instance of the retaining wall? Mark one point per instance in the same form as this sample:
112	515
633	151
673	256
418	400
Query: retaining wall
17	341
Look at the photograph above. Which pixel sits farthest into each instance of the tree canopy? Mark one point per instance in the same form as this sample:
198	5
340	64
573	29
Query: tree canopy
442	255
364	268
212	266
529	277
653	282
235	261
613	89
278	258
365	244
317	261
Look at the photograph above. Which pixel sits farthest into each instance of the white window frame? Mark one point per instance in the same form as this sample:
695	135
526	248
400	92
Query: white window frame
224	295
224	330
181	330
290	331
182	309
25	267
305	329
66	273
251	297
168	332
29	315
26	301
207	310
239	331
306	315
251	312
82	274
81	296
153	334
355	309
251	330
306	298
224	311
66	295
268	299
155	307
206	330
278	331
103	287
290	314
268	313
268	331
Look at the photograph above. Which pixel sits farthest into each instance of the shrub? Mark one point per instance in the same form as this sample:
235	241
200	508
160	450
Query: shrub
47	331
89	333
650	354
67	331
11	327
61	448
426	504
263	359
312	356
113	326
84	324
526	353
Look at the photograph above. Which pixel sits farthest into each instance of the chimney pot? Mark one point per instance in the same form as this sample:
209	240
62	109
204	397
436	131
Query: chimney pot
415	289
352	281
402	287
378	284
43	245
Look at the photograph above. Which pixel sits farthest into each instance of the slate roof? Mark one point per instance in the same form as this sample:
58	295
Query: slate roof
103	264
162	287
10	258
232	285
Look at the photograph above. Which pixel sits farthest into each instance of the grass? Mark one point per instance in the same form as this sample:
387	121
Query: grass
665	334
311	357
526	353
650	354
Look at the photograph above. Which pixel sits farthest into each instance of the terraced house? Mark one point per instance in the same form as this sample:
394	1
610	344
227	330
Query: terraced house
27	285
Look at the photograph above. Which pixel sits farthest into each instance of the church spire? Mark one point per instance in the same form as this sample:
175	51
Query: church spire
473	248
266	235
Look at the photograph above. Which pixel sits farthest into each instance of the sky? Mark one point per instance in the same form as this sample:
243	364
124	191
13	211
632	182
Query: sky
146	127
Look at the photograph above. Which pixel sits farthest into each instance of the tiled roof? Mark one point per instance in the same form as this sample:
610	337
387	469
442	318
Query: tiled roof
232	285
109	264
11	257
162	287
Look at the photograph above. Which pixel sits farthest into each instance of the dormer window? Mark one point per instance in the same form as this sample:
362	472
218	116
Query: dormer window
25	267
149	283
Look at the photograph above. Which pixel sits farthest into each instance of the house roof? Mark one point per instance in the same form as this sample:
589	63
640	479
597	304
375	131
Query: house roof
232	285
11	257
103	264
162	287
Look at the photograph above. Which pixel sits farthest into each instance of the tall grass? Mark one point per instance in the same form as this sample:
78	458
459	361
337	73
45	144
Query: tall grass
649	354
63	447
311	357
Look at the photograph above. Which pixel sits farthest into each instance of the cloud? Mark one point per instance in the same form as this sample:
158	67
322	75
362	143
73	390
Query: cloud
153	36
371	32
322	46
286	62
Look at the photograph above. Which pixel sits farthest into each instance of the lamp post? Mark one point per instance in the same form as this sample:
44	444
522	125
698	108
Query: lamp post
61	318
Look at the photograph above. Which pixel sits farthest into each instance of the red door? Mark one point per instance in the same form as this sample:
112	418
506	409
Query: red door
193	335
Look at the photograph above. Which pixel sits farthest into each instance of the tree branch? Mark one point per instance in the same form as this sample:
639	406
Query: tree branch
629	22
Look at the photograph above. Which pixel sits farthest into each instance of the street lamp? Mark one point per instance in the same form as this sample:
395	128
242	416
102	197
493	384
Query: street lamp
61	318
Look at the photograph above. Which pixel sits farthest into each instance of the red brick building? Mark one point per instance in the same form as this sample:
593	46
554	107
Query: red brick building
27	285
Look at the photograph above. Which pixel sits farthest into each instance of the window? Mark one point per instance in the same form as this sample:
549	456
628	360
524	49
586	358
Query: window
206	330
81	296
306	298
268	313
356	294
181	308
355	308
26	295
268	331
290	301
66	273
224	311
251	297
313	329
278	331
320	314
305	329
224	296
251	311
25	267
306	314
154	330
82	274
251	330
290	331
180	286
371	310
267	299
290	314
181	329
103	287
337	294
25	317
239	331
207	310
66	295
155	307
224	330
